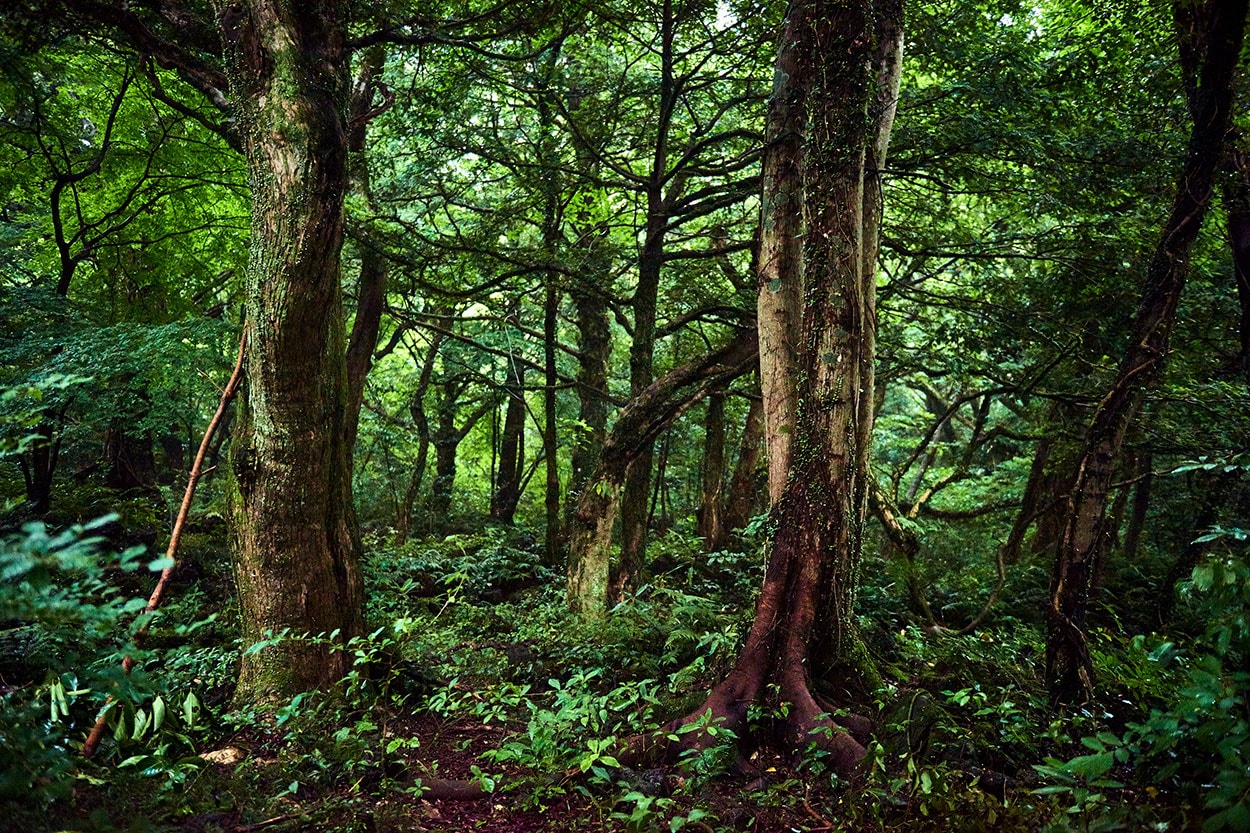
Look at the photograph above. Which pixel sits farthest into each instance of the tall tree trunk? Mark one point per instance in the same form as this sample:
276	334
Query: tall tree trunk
511	447
841	63
446	441
38	464
594	348
711	521
741	498
1140	507
1237	204
1069	669
551	378
639	423
371	287
780	261
295	542
634	503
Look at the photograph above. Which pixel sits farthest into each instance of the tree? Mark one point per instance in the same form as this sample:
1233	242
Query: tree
1069	669
837	75
296	548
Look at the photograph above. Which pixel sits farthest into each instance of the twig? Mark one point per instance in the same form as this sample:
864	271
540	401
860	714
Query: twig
260	825
175	538
825	824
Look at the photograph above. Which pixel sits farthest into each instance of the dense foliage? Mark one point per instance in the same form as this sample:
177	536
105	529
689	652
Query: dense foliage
553	211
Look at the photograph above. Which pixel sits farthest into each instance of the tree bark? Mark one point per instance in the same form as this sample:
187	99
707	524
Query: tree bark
421	422
1140	507
634	499
846	57
371	287
1069	668
711	522
741	500
594	348
295	542
551	492
1236	196
446	441
780	260
639	423
131	459
511	447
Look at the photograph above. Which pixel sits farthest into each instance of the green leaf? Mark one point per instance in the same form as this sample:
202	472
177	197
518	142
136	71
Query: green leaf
158	713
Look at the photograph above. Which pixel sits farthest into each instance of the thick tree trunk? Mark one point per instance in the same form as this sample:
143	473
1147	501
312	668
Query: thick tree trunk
295	543
446	439
780	261
1069	669
639	423
846	57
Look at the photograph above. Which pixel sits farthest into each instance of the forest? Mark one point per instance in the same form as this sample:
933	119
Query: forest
624	415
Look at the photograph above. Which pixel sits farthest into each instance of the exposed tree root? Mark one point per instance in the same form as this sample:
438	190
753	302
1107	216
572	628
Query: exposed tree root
801	722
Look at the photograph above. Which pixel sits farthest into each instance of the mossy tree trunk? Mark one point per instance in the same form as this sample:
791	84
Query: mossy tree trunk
838	71
636	428
295	544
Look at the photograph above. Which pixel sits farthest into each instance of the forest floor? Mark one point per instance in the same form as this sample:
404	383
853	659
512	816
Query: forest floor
476	677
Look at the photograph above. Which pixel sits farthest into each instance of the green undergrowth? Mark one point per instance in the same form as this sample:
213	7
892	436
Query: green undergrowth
471	670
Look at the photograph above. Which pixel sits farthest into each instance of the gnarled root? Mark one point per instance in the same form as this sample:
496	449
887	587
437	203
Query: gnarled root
802	721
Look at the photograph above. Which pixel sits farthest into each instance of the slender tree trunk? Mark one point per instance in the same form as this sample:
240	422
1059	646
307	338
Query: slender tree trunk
741	499
1140	507
551	494
634	508
1069	669
711	522
511	448
639	423
371	287
131	459
38	465
295	542
1237	203
421	422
